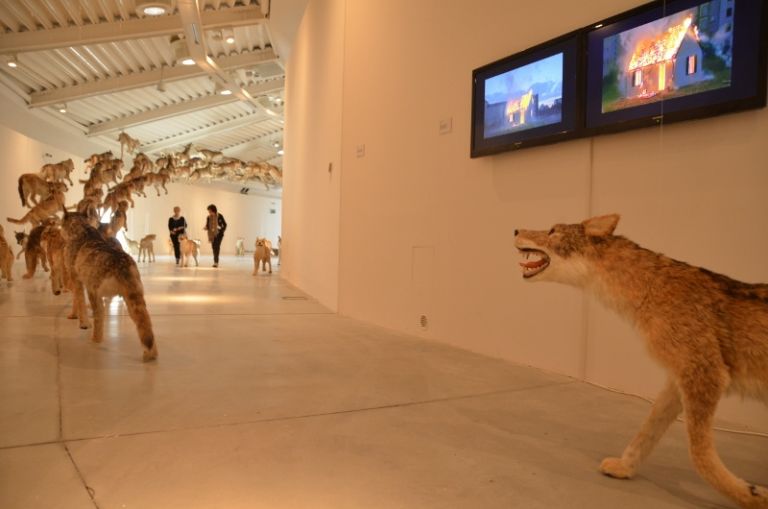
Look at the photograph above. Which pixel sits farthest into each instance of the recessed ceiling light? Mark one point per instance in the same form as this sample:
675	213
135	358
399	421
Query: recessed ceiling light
154	7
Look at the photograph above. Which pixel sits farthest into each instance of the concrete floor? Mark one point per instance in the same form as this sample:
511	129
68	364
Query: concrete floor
261	398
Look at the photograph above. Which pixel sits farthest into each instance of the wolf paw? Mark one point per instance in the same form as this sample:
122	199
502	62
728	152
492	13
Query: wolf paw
71	316
756	498
615	467
150	355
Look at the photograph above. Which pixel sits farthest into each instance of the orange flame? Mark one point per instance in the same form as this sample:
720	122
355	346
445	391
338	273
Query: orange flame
661	49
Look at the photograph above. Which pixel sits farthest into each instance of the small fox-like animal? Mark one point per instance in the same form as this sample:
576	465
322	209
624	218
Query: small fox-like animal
710	332
263	255
100	268
189	248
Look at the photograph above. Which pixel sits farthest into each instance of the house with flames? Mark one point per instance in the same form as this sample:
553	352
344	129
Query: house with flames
665	63
522	109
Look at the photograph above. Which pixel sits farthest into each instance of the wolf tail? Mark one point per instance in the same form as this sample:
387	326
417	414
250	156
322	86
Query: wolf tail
16	221
21	194
133	295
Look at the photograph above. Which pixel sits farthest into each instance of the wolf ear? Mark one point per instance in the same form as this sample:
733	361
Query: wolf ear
601	226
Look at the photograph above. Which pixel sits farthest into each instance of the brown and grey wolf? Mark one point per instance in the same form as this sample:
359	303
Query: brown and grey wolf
189	248
263	255
53	242
709	331
33	188
146	247
58	172
45	209
34	251
6	257
99	268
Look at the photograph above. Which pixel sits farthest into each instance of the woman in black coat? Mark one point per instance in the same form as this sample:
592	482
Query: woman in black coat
215	226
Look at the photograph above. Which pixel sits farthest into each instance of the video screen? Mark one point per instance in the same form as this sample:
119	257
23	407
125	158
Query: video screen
686	53
524	98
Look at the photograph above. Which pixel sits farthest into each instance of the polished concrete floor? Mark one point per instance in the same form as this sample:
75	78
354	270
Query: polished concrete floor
262	398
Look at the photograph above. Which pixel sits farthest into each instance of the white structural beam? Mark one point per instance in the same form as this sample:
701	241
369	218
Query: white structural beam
181	108
150	26
191	18
197	134
251	143
144	79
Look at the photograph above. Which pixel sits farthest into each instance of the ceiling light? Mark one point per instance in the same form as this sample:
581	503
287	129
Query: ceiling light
13	62
62	107
276	144
154	7
180	51
222	90
228	35
280	152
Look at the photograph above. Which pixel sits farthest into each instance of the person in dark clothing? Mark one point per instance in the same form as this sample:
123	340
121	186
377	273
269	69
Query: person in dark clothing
177	225
215	226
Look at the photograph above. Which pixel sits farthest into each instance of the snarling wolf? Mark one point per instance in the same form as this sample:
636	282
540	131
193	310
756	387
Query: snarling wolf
710	332
98	267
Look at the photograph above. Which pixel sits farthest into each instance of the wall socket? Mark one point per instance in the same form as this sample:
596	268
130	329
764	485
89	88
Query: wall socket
446	125
360	151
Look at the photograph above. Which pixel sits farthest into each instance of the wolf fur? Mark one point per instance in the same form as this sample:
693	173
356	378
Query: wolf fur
33	188
34	251
101	269
121	192
263	255
133	246
6	257
53	242
146	247
119	219
58	172
46	208
127	144
189	248
710	332
21	239
240	246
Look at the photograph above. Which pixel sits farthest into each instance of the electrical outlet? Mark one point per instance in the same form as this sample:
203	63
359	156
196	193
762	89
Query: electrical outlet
446	125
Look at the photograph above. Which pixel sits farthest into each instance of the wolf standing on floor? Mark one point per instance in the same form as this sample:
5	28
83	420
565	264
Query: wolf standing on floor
710	332
102	269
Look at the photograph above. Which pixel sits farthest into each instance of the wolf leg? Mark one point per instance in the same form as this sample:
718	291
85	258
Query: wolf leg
79	310
137	308
701	395
664	411
43	262
31	259
97	307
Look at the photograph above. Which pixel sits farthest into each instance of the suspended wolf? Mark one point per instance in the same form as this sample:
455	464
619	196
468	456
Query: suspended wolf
710	332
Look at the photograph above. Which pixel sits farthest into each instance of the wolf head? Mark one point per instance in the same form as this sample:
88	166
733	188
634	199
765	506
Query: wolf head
561	254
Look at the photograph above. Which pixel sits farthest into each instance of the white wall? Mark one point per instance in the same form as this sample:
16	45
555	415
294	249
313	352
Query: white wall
22	154
311	256
424	229
247	216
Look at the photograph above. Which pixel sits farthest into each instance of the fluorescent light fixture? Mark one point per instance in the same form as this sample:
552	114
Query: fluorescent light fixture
154	7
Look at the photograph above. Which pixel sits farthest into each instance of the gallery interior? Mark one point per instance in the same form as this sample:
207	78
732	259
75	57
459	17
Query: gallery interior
408	170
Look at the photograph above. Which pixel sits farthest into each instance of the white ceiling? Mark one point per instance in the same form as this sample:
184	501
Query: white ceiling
114	69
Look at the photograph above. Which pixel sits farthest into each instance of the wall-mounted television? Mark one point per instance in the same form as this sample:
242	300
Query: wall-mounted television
675	60
529	98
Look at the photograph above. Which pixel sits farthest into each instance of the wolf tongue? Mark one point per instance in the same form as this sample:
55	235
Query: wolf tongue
533	265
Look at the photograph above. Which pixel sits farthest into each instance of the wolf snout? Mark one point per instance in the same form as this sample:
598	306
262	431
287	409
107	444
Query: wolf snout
516	232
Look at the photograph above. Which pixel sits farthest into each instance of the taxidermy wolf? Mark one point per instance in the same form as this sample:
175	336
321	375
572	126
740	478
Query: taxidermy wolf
6	257
98	267
710	332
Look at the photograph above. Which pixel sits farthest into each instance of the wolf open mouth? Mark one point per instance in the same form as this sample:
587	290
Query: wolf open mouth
536	265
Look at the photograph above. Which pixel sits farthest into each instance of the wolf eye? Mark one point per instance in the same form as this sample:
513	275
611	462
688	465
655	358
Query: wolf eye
551	231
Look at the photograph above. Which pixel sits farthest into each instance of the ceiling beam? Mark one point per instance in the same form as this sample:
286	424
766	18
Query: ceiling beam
192	136
144	79
64	37
180	108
